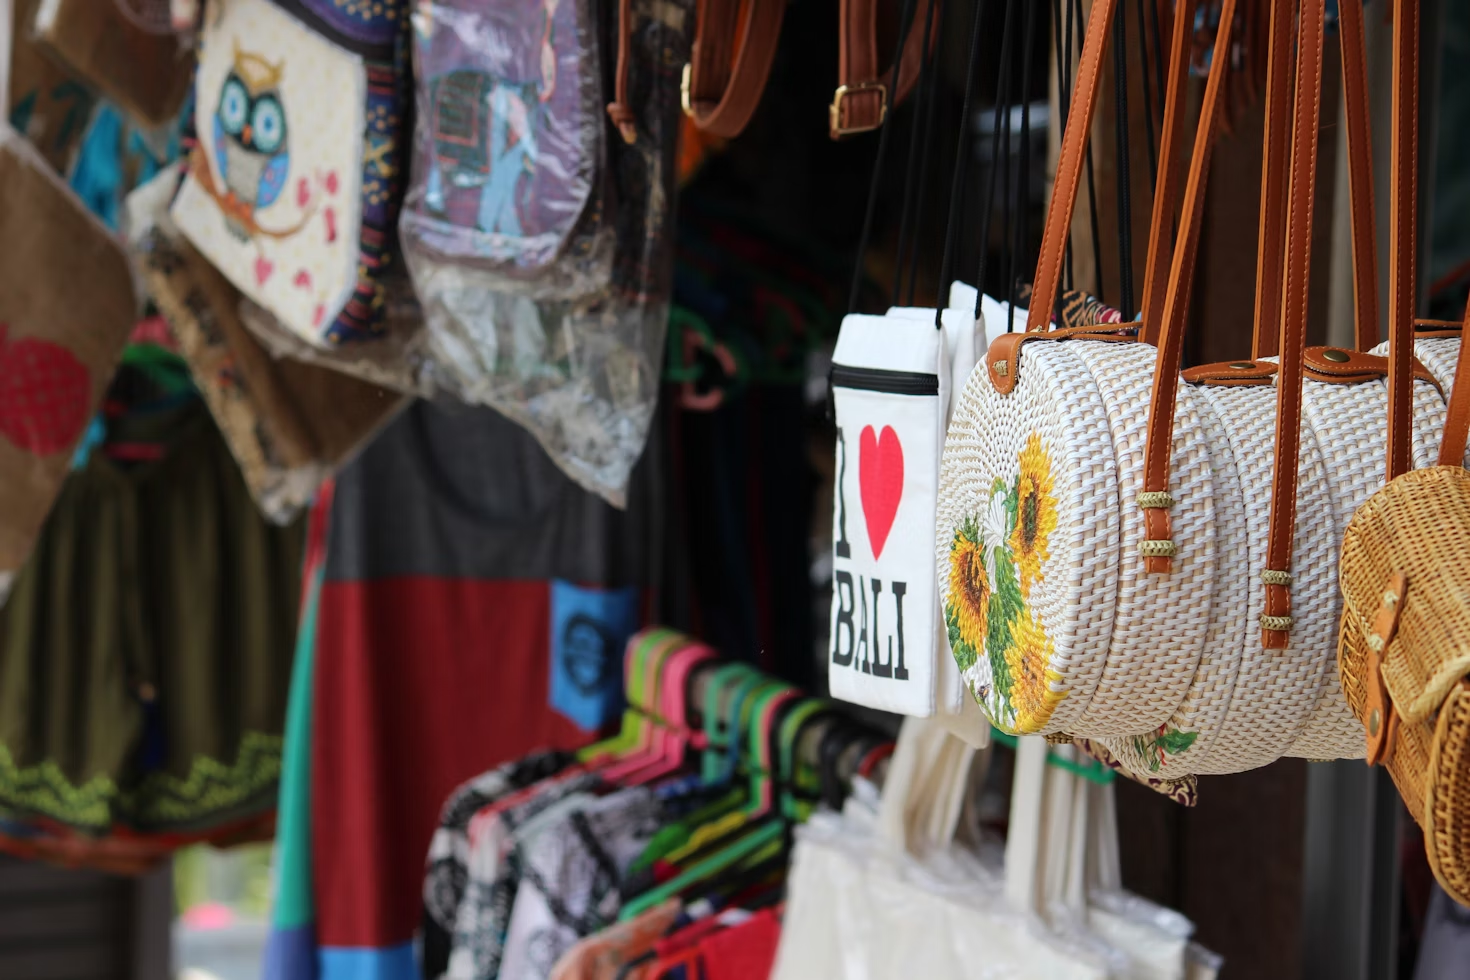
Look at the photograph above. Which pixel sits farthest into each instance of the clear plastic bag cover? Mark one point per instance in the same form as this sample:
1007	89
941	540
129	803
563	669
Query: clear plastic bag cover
508	144
398	359
581	374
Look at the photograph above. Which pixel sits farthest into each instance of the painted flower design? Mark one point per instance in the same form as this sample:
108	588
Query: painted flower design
969	589
1036	513
1035	687
996	557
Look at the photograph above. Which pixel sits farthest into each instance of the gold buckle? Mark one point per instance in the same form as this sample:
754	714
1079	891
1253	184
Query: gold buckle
684	81
834	111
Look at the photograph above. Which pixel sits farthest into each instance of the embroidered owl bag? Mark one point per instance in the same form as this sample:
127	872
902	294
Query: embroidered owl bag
293	184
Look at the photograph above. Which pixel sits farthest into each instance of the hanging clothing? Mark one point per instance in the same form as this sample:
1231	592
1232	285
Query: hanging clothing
434	643
145	652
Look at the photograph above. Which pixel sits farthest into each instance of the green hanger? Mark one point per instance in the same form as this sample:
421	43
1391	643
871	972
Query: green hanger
736	678
792	726
752	845
635	723
1090	770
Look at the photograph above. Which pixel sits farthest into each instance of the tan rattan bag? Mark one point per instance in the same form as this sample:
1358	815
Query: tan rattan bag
1404	646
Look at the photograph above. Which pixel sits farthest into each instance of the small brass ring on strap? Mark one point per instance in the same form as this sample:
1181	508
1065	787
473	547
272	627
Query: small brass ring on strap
1158	548
1155	500
1272	576
1277	624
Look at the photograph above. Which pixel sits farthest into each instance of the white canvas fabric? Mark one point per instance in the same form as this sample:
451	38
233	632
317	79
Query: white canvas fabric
273	199
890	385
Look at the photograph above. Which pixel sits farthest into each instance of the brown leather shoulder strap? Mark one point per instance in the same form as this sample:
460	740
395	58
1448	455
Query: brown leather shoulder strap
1457	425
1274	178
1306	123
724	81
1166	191
862	97
1403	234
1360	172
1069	167
720	96
1159	546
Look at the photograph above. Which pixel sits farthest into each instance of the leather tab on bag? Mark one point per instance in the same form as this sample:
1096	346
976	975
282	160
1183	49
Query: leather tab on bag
1380	720
1435	328
1003	358
1340	365
1231	374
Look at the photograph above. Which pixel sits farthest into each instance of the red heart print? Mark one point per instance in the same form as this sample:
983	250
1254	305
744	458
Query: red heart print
330	217
303	193
317	315
263	269
302	280
332	182
880	482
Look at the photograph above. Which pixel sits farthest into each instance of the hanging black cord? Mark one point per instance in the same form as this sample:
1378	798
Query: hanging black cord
957	182
913	171
1001	94
931	83
857	272
1021	243
1125	203
1153	7
1007	188
1148	97
1064	98
1074	23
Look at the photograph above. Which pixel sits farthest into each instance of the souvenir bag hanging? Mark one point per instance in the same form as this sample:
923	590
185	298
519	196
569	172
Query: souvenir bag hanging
288	424
47	103
1164	558
1033	571
292	190
1249	702
1401	647
58	344
509	163
580	374
890	384
136	62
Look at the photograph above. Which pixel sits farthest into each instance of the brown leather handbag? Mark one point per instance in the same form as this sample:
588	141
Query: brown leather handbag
1404	643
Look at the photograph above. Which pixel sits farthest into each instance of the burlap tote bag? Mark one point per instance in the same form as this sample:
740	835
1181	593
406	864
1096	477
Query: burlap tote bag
58	344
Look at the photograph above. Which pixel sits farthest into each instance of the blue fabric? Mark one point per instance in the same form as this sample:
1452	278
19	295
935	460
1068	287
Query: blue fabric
589	628
290	954
390	963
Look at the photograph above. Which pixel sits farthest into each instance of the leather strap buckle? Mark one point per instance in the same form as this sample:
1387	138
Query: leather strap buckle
834	111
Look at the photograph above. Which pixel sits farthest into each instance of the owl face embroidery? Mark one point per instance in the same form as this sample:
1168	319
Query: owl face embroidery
251	140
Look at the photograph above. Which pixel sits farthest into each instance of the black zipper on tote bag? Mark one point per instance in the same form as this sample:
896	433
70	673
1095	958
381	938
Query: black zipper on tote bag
884	381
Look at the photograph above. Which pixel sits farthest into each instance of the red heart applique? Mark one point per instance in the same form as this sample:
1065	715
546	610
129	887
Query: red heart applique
263	269
880	482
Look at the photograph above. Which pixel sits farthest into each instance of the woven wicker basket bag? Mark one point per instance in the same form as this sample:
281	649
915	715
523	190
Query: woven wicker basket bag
1404	647
1051	616
1254	693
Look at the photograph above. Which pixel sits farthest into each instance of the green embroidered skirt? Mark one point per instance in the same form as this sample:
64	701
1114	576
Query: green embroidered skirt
146	648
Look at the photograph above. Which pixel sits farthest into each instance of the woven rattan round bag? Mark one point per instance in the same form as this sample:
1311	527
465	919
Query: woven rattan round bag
1040	541
1404	647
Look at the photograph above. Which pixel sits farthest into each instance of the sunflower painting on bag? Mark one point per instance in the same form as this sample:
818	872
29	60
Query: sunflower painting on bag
995	560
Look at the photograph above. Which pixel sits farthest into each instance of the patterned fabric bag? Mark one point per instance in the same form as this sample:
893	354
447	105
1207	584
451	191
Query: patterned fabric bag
58	345
293	185
508	153
288	424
